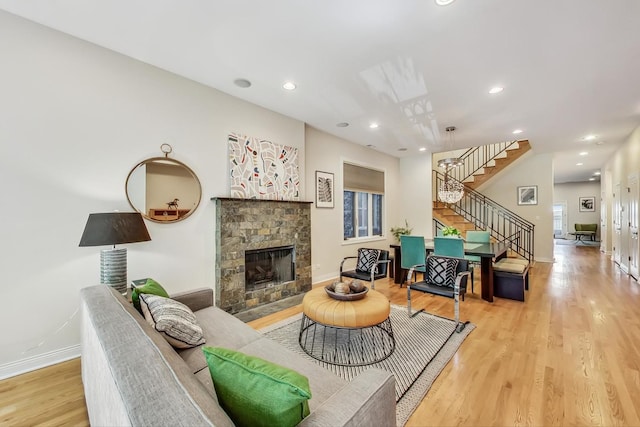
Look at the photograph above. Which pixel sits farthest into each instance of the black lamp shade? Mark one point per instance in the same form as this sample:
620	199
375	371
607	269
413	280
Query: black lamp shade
114	228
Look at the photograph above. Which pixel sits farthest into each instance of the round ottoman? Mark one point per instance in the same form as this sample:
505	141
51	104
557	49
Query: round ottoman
349	333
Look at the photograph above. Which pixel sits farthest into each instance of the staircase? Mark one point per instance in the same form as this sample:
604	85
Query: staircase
447	216
497	164
474	211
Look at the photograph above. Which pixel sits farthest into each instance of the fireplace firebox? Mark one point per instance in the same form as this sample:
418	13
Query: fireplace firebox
269	267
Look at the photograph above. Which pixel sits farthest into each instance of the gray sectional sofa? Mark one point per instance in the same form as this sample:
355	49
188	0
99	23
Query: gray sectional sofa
133	377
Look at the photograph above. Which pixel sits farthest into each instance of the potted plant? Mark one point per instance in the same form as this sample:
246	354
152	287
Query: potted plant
399	231
450	231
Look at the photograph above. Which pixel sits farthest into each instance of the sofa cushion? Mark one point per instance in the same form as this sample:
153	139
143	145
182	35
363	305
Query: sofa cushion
220	330
442	271
322	381
151	287
256	392
154	383
174	320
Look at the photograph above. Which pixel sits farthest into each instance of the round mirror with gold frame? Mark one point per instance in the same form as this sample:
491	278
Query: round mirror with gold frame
163	189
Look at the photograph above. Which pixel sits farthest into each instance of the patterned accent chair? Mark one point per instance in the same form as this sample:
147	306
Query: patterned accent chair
371	265
444	276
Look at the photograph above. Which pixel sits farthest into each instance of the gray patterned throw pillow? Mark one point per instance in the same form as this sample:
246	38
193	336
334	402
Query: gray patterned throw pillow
174	320
442	271
367	259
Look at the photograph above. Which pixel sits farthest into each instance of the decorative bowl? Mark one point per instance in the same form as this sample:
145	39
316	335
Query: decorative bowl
346	297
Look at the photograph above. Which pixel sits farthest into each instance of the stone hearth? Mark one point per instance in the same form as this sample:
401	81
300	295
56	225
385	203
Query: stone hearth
252	224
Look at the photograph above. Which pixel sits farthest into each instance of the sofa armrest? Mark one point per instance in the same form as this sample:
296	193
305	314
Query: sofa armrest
368	400
195	299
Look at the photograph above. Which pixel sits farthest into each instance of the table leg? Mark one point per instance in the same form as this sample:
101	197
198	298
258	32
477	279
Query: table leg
397	269
486	276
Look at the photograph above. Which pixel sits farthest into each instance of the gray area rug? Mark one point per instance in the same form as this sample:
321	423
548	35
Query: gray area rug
424	345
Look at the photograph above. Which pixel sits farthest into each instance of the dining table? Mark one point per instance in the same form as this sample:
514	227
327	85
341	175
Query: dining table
488	253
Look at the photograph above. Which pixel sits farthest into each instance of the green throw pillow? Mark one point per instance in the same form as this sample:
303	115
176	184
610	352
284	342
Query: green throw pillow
255	392
151	287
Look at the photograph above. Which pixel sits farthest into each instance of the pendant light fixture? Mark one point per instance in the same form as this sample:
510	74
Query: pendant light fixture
451	190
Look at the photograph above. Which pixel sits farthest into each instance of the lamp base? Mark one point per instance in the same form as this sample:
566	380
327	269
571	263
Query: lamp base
113	268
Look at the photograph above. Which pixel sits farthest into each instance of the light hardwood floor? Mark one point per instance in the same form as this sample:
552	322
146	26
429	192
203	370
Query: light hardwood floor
569	355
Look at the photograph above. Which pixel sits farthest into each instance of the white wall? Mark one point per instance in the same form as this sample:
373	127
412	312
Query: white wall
326	153
416	189
570	193
619	168
530	169
74	119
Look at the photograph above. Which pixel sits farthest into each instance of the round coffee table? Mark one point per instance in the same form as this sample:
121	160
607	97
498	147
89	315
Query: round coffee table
346	333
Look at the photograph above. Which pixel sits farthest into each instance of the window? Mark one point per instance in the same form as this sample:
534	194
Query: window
363	200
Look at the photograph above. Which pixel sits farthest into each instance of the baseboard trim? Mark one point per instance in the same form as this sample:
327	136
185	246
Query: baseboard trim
32	363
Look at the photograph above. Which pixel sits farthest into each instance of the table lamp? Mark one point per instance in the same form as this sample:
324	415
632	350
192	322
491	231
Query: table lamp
114	228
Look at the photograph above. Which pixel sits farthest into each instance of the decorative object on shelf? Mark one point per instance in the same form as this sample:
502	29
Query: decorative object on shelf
332	291
155	180
114	228
587	204
173	204
528	195
324	190
260	169
451	190
450	231
401	231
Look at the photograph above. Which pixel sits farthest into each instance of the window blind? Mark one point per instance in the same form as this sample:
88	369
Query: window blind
358	178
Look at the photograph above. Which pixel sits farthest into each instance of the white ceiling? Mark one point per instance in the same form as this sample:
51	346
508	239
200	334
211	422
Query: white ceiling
569	68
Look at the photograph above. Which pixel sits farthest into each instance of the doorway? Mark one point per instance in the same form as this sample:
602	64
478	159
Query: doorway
632	203
560	220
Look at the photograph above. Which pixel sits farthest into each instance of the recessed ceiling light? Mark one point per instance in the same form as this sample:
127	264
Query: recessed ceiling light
584	153
289	85
423	149
374	125
444	2
592	179
597	173
589	137
402	149
342	124
370	145
517	131
579	164
496	89
599	142
243	83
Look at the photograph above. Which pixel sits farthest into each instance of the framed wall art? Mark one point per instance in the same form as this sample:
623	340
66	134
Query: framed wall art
324	190
260	169
587	204
528	195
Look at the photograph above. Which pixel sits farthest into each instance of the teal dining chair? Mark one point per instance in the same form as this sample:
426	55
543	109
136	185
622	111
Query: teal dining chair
448	246
413	252
476	236
451	247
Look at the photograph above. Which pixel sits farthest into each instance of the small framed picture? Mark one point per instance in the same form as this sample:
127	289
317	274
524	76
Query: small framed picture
528	195
588	204
324	190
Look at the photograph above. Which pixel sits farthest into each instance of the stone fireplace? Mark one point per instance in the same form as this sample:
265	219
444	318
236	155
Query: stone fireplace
263	251
264	268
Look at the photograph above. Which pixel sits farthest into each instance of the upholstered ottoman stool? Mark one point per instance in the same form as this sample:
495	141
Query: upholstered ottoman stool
511	278
348	333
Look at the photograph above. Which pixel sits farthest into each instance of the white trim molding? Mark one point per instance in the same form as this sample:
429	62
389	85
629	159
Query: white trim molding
32	363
